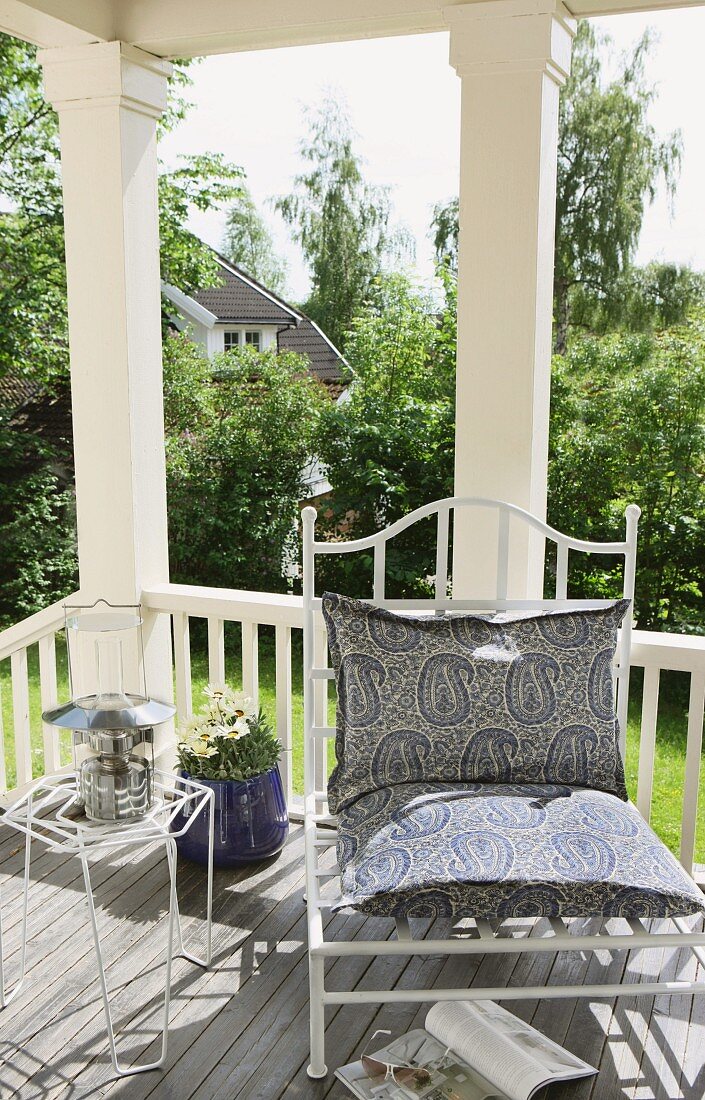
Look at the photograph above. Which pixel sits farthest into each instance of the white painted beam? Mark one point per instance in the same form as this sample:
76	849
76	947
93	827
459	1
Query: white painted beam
109	97
57	23
180	28
511	56
172	28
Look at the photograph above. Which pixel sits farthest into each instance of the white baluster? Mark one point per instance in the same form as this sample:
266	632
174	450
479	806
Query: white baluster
693	756
250	661
561	571
182	665
49	698
216	650
20	709
379	570
442	554
320	710
283	705
647	744
3	769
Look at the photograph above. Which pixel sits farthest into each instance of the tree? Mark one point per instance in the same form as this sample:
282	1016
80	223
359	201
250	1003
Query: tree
610	164
341	222
33	330
642	299
628	424
389	448
444	231
204	181
240	431
248	243
38	530
37	522
32	277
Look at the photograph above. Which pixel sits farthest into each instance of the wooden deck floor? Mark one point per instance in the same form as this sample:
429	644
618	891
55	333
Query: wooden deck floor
240	1030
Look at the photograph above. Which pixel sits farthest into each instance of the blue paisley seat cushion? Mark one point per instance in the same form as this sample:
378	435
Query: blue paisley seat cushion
466	698
498	850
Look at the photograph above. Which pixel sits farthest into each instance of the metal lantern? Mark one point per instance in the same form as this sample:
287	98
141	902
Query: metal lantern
115	782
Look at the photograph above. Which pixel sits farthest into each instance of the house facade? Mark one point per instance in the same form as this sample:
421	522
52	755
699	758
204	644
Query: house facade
240	311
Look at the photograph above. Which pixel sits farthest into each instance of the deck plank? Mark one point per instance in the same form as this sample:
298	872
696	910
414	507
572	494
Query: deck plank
667	1032
692	1080
211	999
241	1029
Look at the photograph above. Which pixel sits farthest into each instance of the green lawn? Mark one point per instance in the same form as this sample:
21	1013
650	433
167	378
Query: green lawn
670	740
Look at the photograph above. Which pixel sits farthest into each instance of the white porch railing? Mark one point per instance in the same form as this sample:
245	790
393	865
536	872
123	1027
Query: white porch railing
39	630
651	651
252	610
656	653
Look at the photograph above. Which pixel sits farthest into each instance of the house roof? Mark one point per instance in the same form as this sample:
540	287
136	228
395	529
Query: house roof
31	408
242	300
16	389
325	361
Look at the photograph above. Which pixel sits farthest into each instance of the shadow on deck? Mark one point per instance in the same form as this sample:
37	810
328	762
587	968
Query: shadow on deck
241	1029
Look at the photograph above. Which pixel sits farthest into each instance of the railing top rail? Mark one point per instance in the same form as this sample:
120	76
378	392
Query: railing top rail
500	506
231	604
676	652
33	628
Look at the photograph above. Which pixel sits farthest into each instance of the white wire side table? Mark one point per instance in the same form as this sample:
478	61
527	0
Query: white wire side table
50	812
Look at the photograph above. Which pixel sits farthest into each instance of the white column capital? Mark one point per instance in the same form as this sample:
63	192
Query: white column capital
511	36
105	74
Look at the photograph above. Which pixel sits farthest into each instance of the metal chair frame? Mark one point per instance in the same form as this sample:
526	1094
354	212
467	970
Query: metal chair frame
481	936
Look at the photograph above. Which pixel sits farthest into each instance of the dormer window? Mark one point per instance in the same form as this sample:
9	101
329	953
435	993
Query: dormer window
231	339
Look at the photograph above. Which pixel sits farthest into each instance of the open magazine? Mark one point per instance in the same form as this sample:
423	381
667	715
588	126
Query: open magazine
469	1050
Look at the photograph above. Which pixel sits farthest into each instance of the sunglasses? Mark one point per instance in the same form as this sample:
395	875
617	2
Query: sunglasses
379	1071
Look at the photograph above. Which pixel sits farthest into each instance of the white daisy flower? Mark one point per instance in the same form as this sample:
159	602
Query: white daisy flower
243	705
216	690
194	727
202	748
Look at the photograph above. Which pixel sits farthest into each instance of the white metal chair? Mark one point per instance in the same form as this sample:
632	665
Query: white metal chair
321	884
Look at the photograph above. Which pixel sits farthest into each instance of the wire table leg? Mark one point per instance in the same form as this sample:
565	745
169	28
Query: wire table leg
129	1071
64	831
209	903
171	856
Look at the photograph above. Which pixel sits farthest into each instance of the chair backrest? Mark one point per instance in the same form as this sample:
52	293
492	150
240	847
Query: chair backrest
316	672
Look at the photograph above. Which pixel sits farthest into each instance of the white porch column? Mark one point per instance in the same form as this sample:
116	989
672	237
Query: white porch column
109	97
512	57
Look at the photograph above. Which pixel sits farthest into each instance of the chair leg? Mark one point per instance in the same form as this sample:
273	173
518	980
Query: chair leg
317	1066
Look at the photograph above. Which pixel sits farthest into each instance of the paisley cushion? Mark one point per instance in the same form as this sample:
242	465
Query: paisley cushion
495	850
522	700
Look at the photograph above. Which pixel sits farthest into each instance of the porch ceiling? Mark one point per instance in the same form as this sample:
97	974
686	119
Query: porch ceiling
181	28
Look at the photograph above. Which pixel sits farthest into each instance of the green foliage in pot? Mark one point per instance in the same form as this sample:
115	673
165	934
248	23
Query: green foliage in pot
229	738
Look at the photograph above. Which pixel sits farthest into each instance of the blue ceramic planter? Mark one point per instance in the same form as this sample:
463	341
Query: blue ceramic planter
251	821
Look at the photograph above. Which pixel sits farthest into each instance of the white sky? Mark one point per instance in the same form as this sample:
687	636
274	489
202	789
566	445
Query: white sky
404	101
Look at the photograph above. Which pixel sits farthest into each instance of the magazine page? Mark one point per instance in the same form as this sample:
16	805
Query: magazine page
433	1073
516	1057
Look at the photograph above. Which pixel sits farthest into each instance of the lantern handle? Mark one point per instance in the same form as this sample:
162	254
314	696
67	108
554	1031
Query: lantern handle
115	607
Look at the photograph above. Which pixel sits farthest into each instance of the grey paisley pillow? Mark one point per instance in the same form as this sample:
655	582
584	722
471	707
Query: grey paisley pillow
469	699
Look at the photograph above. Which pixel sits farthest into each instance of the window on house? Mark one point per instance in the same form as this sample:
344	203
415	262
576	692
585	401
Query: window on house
231	340
254	339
